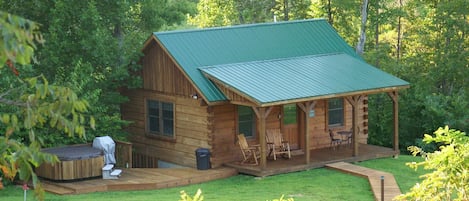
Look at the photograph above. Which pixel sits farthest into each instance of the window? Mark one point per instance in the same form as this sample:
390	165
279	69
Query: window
160	120
246	121
336	112
289	114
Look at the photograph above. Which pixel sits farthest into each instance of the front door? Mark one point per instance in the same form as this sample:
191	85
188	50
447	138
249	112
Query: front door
290	125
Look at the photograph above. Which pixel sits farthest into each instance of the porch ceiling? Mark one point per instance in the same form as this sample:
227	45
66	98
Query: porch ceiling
298	79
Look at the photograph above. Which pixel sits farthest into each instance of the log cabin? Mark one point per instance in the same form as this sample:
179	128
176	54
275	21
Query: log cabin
202	87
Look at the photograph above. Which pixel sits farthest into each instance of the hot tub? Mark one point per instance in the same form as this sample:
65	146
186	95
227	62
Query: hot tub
76	162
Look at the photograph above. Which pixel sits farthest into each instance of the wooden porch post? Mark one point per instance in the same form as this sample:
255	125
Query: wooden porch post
354	100
395	106
306	107
262	114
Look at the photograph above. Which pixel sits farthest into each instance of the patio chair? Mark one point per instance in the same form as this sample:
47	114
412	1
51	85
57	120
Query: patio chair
335	142
276	144
251	154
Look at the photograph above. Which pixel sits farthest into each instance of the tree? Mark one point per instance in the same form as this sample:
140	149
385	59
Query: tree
94	47
361	42
450	164
33	104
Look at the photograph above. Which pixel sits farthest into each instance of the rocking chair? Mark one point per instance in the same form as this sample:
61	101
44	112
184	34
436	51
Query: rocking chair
276	144
251	154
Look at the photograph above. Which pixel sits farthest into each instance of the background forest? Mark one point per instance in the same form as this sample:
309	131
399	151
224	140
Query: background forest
90	44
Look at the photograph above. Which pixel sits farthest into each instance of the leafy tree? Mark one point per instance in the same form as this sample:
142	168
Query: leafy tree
93	48
450	164
32	103
212	13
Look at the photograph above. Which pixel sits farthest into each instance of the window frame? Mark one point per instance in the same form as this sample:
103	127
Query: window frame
161	118
340	123
253	121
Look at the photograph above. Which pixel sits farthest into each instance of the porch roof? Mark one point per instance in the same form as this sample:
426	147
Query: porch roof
305	78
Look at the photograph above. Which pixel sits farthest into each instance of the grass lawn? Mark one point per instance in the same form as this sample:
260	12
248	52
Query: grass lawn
316	184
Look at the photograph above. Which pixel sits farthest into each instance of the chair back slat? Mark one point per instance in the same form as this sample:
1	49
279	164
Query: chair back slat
274	136
243	143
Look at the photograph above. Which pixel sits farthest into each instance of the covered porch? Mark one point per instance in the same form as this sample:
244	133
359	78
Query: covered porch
317	158
309	84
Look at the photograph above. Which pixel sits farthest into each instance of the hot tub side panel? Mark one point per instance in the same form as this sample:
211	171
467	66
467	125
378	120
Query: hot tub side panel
72	169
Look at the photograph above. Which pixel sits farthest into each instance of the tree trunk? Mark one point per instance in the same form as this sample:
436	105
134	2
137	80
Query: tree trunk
285	10
377	35
398	45
361	41
329	12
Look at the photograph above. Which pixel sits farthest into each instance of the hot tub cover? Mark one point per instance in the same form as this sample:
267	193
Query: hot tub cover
108	146
79	152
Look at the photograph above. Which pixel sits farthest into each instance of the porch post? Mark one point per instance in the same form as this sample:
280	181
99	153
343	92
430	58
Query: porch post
262	114
308	106
395	106
354	100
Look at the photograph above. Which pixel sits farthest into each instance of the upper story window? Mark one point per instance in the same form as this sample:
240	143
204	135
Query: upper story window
336	112
246	121
160	118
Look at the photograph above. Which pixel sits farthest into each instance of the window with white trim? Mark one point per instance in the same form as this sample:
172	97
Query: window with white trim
335	112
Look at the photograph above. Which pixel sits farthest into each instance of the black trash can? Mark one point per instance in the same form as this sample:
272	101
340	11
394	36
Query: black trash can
203	158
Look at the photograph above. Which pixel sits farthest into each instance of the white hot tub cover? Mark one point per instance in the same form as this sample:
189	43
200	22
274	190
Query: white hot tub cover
108	146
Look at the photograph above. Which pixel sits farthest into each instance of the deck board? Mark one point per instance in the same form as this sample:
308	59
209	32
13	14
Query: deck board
140	179
318	158
391	189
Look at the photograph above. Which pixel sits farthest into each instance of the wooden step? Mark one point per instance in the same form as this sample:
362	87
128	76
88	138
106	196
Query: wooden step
60	190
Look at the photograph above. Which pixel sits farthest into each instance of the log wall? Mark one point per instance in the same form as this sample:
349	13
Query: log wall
191	129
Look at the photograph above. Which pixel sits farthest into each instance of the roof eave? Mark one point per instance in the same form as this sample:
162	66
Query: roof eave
329	96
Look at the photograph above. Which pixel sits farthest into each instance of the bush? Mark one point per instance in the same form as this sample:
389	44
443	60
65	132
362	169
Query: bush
450	164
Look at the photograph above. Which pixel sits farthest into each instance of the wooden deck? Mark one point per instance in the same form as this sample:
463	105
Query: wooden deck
391	189
140	179
319	158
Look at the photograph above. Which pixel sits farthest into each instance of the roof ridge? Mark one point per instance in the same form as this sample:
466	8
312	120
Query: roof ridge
238	26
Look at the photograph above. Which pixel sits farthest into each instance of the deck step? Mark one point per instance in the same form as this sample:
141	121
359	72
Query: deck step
61	190
391	189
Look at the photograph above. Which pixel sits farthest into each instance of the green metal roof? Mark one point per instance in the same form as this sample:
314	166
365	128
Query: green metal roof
247	43
304	77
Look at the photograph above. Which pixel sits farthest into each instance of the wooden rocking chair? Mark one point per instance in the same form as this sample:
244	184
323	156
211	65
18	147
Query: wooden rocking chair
251	154
276	144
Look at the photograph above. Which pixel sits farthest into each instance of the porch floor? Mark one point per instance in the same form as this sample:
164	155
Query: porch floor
140	179
319	158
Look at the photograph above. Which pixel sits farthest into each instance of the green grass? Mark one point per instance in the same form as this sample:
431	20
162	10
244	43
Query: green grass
316	184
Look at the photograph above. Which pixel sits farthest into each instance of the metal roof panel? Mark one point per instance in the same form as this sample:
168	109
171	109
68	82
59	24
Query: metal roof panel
303	77
192	49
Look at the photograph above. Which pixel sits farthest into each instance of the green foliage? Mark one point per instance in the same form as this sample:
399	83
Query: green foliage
282	199
449	179
197	197
31	103
17	45
213	13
